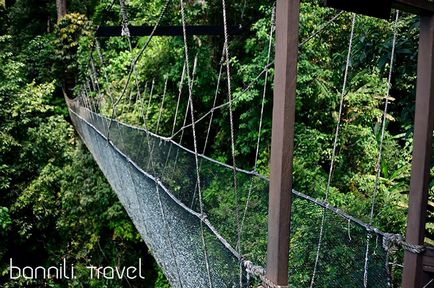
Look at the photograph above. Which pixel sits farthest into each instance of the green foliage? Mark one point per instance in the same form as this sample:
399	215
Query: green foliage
39	57
67	33
320	71
55	202
5	220
59	202
161	281
29	18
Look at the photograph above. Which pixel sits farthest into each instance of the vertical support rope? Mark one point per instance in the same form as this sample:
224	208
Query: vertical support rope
85	97
87	92
214	103
267	67
148	106
161	106
231	119
95	79
109	88
159	117
136	78
84	94
181	83
175	117
335	144
187	107
196	157
210	121
92	81
163	214
380	149
91	88
136	59
125	32
125	29
142	104
264	93
145	121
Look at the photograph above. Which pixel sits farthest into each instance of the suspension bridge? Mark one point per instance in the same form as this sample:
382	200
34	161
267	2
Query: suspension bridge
166	187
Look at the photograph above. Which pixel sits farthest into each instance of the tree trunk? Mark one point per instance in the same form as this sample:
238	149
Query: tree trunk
61	9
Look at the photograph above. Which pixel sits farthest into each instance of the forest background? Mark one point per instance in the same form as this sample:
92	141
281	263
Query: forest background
56	204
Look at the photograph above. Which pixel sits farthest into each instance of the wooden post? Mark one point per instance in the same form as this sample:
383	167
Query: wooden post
414	275
282	140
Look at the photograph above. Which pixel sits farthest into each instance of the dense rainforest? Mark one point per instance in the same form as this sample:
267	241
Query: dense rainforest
55	203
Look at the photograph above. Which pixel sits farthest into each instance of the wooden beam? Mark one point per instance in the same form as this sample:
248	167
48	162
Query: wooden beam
382	8
374	8
282	140
413	274
113	31
419	7
428	260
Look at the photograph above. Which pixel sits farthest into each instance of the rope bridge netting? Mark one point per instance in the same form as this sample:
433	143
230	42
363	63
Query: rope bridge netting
159	205
205	221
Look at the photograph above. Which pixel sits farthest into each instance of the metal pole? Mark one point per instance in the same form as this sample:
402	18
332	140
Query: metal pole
282	140
413	275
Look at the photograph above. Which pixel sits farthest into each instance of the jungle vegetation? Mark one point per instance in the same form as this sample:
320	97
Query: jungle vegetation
56	204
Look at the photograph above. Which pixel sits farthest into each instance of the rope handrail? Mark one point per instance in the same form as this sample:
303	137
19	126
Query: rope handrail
390	241
318	202
335	210
200	216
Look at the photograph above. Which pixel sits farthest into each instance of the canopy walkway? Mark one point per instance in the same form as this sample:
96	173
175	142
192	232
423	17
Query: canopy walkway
205	221
157	189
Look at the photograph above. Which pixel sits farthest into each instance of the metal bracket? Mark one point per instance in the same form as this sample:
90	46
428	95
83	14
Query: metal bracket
428	260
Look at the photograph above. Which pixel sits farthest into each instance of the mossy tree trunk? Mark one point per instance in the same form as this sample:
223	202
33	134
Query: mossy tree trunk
61	8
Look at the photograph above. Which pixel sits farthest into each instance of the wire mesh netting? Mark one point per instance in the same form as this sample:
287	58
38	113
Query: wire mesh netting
343	249
155	179
171	232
